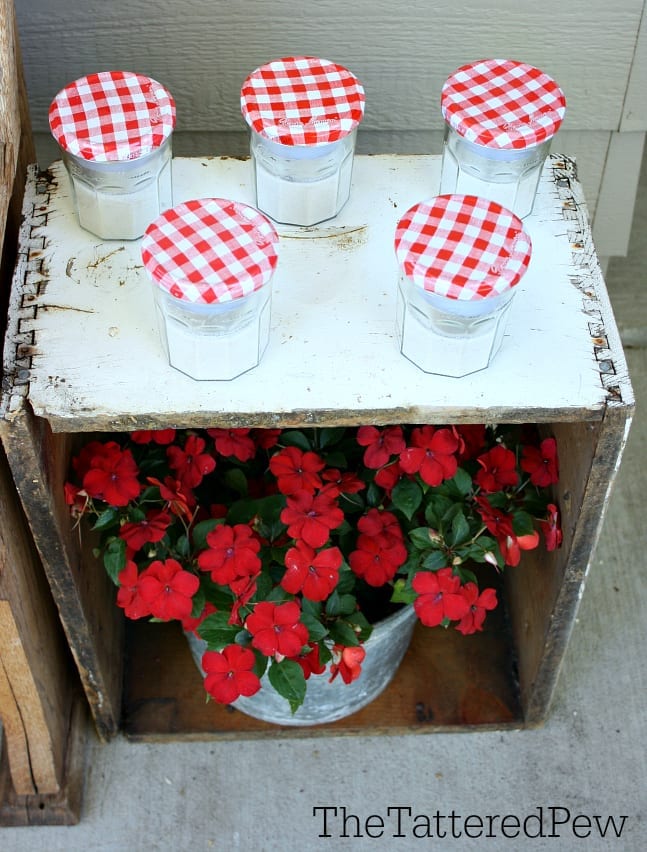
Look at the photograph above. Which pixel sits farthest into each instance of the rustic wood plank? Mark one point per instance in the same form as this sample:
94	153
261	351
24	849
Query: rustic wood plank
44	767
446	682
36	673
333	304
13	738
84	597
62	808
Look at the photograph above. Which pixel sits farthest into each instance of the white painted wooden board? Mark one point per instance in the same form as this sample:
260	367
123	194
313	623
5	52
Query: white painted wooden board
97	362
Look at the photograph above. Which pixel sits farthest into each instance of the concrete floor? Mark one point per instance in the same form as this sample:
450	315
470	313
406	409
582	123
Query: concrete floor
588	760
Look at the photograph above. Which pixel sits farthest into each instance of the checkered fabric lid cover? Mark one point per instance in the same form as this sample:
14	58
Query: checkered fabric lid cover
462	247
501	103
302	100
112	116
210	250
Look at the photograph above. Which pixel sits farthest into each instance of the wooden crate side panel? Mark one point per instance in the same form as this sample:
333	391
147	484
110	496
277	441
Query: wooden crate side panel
84	597
545	596
532	589
36	663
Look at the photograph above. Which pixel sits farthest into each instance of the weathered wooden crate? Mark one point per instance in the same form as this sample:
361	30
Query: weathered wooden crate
83	356
41	710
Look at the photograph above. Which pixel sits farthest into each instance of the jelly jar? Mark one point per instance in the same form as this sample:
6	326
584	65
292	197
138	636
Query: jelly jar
114	129
500	118
211	263
460	258
303	114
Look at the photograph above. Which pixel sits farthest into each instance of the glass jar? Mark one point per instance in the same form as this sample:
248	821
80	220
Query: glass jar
303	114
500	118
114	129
211	263
460	258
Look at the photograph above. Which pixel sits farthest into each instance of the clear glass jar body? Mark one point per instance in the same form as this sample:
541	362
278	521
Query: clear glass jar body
215	342
117	200
302	184
509	177
449	337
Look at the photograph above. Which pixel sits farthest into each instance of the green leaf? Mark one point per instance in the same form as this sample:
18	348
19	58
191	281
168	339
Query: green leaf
295	438
106	518
407	497
403	593
235	479
199	601
374	495
340	604
316	630
522	523
216	631
421	538
343	634
460	530
201	531
463	482
330	435
288	680
114	558
435	560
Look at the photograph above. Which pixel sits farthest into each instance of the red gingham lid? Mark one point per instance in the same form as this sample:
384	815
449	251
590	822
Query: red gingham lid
500	103
210	250
462	247
302	100
112	116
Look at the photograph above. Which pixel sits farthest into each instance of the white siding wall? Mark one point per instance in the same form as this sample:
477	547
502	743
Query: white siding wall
203	49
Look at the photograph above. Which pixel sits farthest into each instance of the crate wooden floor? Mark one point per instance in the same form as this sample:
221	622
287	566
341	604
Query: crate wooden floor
589	757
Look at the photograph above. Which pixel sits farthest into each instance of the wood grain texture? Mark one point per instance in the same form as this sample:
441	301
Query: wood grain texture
77	288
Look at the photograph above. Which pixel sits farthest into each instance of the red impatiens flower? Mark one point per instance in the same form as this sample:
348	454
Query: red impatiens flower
112	475
156	436
472	621
296	470
233	442
191	464
551	528
389	476
439	597
276	629
499	523
347	662
312	516
168	590
380	548
190	625
432	454
266	438
314	574
498	469
472	440
129	595
310	662
380	444
229	673
346	482
178	499
373	563
541	463
232	553
153	528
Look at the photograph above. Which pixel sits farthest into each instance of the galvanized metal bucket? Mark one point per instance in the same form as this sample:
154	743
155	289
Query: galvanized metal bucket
327	702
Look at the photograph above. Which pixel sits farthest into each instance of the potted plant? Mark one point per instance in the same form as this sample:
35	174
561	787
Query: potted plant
283	552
